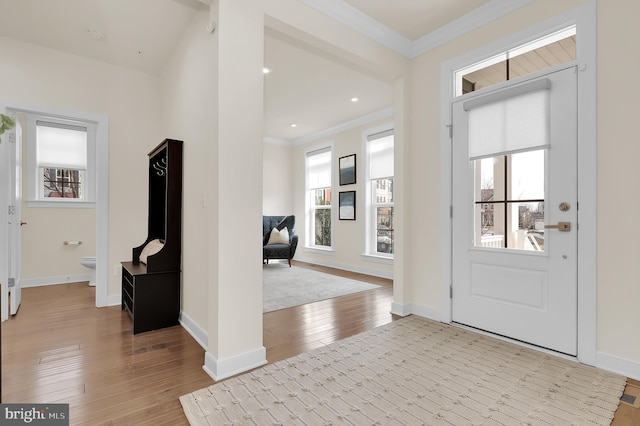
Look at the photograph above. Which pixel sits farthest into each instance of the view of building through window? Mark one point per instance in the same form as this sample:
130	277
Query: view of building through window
509	201
380	160
318	181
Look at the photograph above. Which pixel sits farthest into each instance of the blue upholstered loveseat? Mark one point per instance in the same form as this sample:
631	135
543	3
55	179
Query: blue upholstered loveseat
279	251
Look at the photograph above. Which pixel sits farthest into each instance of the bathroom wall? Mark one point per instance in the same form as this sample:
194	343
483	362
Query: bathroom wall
45	258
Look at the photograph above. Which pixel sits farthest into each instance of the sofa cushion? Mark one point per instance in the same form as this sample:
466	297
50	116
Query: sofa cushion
279	236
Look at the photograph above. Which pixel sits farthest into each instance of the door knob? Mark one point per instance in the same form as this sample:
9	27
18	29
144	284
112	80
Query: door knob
561	226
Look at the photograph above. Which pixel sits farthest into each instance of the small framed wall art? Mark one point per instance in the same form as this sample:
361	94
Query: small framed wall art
347	166
347	204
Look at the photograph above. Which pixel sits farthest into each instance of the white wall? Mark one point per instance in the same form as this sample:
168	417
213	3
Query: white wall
129	98
347	235
189	111
277	179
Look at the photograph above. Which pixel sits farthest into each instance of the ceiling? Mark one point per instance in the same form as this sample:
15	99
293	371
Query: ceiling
305	87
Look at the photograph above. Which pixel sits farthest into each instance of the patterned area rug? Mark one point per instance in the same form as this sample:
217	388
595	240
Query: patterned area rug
285	287
413	372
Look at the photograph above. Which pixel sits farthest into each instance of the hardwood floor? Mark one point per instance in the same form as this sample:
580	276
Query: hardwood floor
60	348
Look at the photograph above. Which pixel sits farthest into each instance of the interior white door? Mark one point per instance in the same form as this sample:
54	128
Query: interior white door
15	218
515	211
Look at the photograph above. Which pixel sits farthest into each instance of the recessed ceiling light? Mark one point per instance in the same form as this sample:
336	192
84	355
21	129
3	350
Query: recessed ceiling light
354	99
293	125
266	70
95	33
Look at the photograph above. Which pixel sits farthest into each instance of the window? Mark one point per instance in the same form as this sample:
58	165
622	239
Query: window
318	168
380	230
61	162
544	52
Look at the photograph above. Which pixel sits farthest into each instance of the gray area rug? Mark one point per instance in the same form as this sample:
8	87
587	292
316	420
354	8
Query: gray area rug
413	372
285	287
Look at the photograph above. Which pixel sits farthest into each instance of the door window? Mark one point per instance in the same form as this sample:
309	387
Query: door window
509	201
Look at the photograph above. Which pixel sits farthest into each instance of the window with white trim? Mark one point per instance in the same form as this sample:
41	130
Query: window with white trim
318	183
380	228
61	159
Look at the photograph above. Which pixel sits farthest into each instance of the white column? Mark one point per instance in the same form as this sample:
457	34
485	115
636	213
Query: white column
235	270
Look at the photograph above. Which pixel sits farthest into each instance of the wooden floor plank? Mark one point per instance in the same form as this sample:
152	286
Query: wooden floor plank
60	348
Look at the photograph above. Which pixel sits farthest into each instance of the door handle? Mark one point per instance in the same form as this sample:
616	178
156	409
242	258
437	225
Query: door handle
561	226
22	223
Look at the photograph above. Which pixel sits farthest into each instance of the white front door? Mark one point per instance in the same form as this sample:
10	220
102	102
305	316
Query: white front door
515	211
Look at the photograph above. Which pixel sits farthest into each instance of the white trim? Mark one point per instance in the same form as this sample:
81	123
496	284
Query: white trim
224	368
61	279
375	30
346	267
377	259
585	18
318	250
619	365
364	24
467	23
101	180
53	203
348	125
114	300
197	332
415	309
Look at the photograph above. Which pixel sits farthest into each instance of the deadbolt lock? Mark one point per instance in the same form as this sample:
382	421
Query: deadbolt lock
564	206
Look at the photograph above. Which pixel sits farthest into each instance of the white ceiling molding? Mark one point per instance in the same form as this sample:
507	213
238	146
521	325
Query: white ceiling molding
357	20
360	121
469	22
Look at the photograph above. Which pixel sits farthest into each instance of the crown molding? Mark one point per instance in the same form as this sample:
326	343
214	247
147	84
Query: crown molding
366	25
363	23
348	125
467	23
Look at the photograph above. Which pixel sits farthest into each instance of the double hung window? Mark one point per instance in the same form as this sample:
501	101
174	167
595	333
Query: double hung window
380	159
318	168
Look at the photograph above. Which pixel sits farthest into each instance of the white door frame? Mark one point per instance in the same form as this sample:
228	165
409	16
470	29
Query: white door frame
102	188
585	18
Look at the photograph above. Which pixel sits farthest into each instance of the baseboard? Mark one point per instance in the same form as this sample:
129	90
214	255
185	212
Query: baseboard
114	300
345	267
194	330
62	279
224	368
415	309
619	365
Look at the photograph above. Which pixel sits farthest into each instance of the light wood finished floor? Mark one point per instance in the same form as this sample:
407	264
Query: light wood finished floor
60	348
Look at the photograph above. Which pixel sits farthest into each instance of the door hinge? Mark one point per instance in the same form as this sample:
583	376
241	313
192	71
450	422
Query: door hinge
12	282
451	212
12	210
451	292
450	126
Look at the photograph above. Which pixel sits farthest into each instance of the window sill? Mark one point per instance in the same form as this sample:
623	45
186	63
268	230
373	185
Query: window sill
69	204
326	251
377	259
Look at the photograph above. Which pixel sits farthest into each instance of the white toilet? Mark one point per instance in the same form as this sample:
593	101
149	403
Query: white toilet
90	262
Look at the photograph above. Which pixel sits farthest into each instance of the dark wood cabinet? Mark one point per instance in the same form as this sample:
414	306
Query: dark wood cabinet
151	288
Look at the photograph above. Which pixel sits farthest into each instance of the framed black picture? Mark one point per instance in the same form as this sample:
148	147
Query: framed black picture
347	166
347	204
